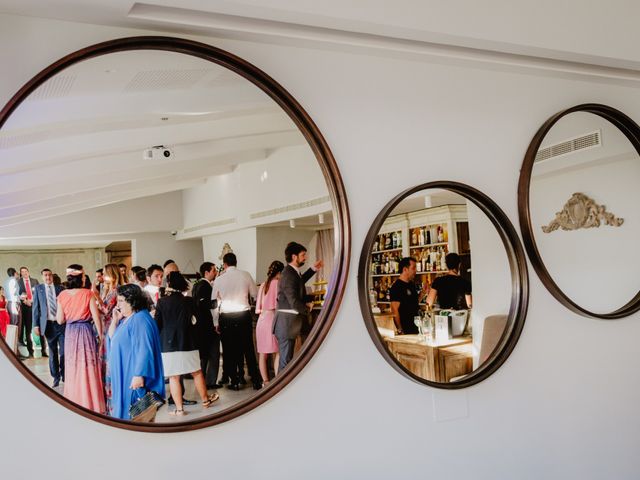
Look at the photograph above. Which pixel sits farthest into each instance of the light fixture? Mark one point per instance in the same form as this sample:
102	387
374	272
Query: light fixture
292	223
264	176
321	218
427	201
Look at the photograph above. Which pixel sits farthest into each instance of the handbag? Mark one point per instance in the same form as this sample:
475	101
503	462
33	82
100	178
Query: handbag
144	409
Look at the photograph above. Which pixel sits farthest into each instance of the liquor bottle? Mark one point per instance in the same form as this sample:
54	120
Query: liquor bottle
387	242
414	237
376	244
440	234
428	239
421	237
399	240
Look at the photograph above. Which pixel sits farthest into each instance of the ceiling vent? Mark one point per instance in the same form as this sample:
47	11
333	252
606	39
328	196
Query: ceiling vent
153	80
56	87
589	140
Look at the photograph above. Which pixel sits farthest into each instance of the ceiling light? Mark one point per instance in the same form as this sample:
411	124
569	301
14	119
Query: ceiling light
321	218
292	223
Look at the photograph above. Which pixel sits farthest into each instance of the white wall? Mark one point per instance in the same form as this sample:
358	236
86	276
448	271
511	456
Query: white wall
272	242
242	242
156	247
564	405
490	274
293	177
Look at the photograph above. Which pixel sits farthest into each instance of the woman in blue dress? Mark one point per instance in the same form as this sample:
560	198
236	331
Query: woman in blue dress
134	352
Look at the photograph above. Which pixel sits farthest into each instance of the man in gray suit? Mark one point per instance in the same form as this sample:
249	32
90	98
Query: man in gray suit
292	308
45	307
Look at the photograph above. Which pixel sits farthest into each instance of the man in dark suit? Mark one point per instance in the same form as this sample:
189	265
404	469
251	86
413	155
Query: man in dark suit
208	337
26	284
44	310
292	306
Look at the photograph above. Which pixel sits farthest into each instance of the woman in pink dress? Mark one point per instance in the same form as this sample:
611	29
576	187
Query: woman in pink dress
266	307
77	309
4	315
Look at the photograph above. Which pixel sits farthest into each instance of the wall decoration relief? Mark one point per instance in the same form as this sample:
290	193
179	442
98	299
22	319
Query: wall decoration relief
580	211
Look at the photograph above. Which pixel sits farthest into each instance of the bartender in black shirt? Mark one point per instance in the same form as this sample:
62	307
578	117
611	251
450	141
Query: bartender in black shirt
452	291
404	298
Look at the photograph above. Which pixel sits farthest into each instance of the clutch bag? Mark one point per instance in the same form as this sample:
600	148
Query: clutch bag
145	408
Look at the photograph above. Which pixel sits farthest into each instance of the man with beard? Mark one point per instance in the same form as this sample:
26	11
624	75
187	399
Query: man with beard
292	307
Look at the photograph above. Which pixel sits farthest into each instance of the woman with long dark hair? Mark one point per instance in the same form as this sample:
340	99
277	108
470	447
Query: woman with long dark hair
82	370
113	279
134	352
180	354
266	306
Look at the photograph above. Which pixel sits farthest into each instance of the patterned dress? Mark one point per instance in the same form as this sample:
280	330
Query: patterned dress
106	308
83	373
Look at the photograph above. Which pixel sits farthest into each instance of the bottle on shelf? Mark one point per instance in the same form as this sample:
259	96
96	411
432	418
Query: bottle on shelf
428	235
387	242
376	244
440	234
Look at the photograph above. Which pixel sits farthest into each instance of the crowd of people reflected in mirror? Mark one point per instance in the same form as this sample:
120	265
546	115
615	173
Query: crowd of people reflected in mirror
134	157
110	344
420	285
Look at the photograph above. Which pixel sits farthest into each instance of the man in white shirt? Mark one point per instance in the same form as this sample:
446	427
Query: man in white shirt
11	291
233	290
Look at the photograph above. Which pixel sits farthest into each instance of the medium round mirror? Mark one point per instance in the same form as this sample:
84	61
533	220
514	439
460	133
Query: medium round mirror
443	284
577	205
194	165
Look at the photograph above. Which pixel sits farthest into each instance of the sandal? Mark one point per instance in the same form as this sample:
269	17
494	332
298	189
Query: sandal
177	412
210	399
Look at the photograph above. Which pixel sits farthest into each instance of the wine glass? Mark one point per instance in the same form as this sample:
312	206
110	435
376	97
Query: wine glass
417	320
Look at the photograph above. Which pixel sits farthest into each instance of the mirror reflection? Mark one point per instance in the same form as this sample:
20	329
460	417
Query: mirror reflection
167	235
583	200
439	285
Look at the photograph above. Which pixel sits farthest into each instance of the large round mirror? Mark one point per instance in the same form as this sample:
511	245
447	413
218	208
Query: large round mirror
174	233
578	209
443	284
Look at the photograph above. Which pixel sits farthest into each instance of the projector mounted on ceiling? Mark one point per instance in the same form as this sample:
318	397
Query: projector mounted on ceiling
159	152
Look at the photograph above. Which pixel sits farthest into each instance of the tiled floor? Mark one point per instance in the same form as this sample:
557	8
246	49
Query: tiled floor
40	366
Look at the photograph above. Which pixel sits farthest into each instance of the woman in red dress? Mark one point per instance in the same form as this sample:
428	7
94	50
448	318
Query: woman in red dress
4	315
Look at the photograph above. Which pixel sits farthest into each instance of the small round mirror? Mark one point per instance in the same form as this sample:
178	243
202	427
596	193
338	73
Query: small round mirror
578	209
443	284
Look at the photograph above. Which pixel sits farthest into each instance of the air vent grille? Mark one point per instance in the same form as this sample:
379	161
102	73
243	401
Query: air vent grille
582	142
218	223
151	80
290	208
56	87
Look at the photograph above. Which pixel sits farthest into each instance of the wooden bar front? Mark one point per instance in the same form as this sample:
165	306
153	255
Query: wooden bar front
434	361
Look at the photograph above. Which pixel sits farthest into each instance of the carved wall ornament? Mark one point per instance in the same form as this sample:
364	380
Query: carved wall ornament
581	211
226	248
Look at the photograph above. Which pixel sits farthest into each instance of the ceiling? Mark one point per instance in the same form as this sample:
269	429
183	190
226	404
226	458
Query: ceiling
601	33
77	142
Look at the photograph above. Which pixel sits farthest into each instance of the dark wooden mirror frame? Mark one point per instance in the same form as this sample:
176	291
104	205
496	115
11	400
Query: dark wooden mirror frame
630	130
334	184
519	283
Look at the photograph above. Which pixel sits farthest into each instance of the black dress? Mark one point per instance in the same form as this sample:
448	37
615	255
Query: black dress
178	334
